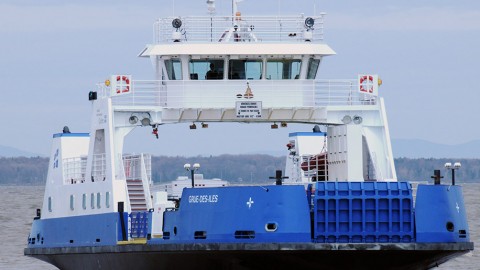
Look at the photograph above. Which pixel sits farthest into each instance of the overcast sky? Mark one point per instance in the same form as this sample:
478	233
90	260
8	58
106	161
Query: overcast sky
52	53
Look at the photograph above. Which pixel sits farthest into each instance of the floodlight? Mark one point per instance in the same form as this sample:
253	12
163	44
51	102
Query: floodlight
309	22
347	119
357	119
133	120
177	23
146	121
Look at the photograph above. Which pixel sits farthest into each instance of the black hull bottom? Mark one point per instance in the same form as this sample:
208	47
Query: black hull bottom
252	256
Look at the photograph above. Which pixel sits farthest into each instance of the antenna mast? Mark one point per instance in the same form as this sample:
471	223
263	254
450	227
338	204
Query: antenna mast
235	7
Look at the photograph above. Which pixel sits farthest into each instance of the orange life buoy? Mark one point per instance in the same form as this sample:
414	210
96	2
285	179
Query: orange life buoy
127	82
368	82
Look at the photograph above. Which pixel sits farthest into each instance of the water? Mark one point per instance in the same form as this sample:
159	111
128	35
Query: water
17	208
18	204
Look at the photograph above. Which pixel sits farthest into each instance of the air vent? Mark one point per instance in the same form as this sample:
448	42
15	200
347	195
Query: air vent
244	234
450	226
271	226
200	235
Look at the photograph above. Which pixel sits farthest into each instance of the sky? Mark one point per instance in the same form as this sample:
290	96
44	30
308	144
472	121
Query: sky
52	53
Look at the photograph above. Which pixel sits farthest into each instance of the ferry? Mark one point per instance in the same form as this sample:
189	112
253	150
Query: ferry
336	205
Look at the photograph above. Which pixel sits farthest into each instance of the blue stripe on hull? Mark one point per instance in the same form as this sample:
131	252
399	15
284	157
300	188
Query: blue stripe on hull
88	230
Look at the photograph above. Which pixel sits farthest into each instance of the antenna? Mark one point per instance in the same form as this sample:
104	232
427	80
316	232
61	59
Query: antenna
211	6
235	6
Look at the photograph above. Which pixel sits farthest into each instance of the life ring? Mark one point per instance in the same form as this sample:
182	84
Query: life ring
127	82
368	81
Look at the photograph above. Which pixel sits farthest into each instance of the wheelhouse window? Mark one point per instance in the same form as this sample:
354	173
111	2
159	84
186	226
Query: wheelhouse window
242	69
283	69
312	68
206	69
174	69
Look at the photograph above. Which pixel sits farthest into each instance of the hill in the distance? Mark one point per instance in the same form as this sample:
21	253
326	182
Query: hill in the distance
426	149
7	151
401	148
418	149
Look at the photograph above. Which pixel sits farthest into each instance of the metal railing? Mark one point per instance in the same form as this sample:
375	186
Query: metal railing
239	29
135	167
314	167
138	167
224	93
74	169
99	167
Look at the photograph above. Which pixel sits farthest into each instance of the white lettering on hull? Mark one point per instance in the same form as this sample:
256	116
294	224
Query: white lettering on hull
203	198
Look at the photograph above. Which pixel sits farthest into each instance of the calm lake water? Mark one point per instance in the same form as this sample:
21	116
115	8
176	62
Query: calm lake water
18	204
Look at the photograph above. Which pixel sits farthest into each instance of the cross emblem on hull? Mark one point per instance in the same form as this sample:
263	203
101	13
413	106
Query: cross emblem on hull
250	202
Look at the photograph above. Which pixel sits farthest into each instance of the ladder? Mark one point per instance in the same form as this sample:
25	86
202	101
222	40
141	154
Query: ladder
138	175
136	195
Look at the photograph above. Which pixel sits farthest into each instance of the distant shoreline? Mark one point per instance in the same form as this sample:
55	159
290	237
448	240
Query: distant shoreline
245	169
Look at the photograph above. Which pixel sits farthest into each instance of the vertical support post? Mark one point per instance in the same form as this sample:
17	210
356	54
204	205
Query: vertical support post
278	177
453	177
436	177
122	220
193	177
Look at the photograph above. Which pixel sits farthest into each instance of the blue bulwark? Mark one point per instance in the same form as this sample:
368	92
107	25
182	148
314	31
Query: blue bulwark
363	212
87	230
249	214
58	135
440	214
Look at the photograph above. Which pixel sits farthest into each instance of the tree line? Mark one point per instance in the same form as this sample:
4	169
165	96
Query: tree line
234	168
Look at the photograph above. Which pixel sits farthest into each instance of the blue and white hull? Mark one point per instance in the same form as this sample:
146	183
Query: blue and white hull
349	225
340	205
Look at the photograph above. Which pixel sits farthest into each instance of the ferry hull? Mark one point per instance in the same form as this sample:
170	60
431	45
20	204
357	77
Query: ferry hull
253	256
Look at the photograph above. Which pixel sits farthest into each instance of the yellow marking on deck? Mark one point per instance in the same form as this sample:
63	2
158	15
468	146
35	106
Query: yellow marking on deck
138	241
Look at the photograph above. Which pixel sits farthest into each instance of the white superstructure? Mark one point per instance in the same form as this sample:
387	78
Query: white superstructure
220	69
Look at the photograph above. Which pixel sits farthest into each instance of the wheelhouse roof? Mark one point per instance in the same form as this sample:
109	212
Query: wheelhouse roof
217	49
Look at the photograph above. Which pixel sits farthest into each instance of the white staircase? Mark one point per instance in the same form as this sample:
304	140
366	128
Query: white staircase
138	176
136	194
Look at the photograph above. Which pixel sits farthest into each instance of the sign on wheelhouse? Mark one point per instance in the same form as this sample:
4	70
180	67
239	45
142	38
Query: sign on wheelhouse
248	109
